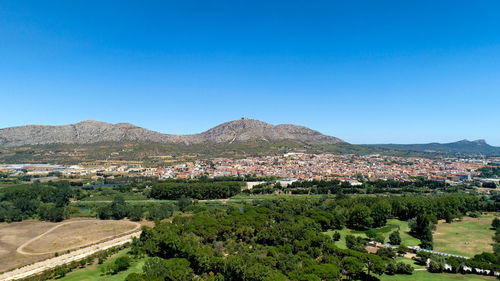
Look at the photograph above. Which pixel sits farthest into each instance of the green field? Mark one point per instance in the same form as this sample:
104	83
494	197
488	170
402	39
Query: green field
385	231
467	237
424	276
93	272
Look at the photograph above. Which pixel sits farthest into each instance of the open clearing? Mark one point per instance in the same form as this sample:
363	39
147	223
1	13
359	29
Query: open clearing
26	242
424	276
392	225
467	237
75	234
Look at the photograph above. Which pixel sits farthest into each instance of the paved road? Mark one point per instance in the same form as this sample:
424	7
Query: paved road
41	266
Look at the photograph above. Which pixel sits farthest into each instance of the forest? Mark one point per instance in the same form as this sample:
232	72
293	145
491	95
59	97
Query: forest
283	239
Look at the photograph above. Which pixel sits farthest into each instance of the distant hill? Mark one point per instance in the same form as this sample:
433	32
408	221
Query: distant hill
463	147
89	141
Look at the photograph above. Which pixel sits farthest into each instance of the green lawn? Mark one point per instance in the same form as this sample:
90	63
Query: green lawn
93	272
424	275
343	233
404	230
467	237
385	231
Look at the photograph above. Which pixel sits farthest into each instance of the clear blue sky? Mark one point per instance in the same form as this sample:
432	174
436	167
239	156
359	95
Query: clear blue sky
364	71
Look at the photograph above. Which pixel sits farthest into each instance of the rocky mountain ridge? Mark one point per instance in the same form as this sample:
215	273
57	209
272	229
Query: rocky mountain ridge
88	132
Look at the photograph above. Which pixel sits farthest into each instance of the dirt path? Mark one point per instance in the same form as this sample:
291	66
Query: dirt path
20	249
41	266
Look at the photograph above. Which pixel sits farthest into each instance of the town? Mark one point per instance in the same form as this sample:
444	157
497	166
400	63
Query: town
295	166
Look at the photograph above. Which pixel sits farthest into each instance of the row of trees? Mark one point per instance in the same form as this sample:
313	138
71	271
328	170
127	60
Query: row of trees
366	187
196	190
45	201
119	209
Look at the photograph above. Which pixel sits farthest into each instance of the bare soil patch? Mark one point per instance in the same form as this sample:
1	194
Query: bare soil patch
15	234
26	242
76	234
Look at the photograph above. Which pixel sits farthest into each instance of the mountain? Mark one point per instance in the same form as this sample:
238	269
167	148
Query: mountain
90	132
94	142
463	147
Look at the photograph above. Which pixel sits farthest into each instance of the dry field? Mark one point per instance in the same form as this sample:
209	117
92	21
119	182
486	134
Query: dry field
26	242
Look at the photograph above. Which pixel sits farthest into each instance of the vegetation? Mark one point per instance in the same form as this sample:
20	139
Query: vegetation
466	237
489	172
47	201
282	239
196	190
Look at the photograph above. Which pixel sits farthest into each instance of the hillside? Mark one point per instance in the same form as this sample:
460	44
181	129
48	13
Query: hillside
463	147
89	132
93	141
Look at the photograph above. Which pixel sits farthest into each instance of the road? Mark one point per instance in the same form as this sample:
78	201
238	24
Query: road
79	254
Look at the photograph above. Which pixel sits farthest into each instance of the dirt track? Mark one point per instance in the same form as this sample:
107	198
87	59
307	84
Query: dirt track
20	249
41	266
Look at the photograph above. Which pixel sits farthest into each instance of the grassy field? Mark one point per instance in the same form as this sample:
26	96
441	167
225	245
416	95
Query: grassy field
392	225
467	237
93	272
424	276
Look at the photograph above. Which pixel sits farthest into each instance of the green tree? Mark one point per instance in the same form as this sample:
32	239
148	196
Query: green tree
155	268
121	264
178	269
360	217
336	236
395	238
327	272
496	223
380	212
183	202
352	266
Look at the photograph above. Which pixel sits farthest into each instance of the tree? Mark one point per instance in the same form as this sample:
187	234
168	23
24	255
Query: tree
121	264
359	217
50	212
426	238
352	266
155	268
395	238
178	269
421	257
119	208
380	212
61	271
387	252
496	223
402	249
136	277
403	268
160	211
435	267
183	202
327	272
135	213
421	228
355	243
336	236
